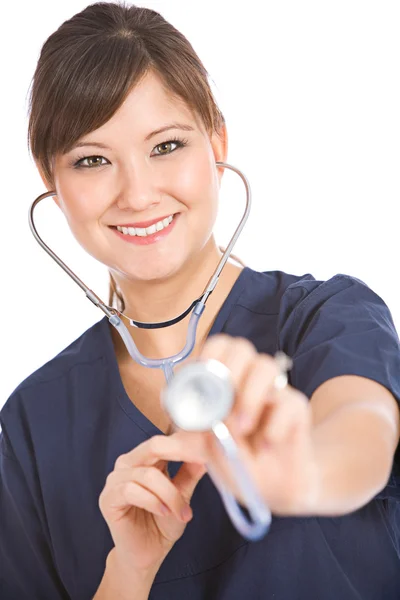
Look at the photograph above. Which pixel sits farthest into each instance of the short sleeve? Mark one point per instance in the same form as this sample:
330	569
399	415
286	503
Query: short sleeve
340	327
26	567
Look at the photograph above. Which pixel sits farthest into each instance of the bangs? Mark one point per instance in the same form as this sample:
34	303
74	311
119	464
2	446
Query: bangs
85	92
90	64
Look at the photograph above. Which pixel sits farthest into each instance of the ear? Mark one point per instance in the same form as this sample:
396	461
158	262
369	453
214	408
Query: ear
48	185
219	143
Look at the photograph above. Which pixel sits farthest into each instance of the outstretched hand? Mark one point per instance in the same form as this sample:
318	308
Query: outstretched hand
271	427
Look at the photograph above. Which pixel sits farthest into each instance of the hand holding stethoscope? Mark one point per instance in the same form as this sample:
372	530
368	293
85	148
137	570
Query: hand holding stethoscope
147	510
268	421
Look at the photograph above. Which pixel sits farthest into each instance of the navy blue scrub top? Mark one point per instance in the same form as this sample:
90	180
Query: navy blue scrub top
65	425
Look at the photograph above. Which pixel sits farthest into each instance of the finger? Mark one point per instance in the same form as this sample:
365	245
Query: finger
122	487
215	346
134	495
236	354
287	415
174	447
122	493
256	391
187	479
156	482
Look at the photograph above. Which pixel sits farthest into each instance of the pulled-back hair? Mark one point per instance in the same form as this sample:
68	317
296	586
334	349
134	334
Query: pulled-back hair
89	65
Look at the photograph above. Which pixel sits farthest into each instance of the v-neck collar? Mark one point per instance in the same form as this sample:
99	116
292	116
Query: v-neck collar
116	382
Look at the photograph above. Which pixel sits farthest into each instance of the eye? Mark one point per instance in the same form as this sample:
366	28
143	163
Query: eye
169	147
90	162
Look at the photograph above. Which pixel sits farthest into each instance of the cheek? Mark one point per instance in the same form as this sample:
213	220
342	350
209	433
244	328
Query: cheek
197	183
81	204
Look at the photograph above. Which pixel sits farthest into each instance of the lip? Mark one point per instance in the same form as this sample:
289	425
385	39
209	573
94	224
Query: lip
149	239
144	224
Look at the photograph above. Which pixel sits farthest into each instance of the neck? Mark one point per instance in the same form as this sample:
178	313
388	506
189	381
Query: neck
161	300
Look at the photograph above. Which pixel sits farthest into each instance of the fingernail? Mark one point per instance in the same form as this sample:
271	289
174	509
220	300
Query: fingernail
186	513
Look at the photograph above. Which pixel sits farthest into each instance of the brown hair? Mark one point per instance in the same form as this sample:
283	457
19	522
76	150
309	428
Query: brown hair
89	65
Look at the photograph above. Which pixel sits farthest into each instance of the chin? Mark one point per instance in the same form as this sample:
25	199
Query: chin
160	271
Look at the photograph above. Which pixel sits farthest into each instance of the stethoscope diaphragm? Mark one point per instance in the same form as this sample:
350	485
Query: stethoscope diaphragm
200	395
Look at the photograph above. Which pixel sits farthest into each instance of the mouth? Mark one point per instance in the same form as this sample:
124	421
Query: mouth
146	235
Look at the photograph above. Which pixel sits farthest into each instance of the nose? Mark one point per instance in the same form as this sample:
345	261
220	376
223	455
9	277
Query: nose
138	190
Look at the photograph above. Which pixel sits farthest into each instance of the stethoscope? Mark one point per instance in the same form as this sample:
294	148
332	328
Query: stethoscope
200	396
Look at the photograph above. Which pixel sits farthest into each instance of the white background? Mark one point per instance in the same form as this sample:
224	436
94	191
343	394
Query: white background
310	91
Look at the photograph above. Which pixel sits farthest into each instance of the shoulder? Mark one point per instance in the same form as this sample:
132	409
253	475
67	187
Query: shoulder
286	293
63	376
310	290
263	291
295	298
338	326
88	347
340	305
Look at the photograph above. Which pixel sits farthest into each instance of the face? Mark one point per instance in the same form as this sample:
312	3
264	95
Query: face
122	184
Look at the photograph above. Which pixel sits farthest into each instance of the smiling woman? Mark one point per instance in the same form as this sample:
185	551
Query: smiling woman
153	175
126	132
149	75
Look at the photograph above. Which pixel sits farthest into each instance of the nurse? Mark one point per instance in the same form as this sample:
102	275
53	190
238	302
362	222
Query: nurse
124	127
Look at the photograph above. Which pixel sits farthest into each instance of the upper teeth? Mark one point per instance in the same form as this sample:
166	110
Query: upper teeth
146	230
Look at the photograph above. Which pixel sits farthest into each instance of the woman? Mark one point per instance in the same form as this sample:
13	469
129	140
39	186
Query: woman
124	127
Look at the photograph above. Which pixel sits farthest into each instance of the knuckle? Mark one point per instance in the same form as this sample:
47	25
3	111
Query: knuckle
219	338
102	501
267	360
243	345
109	480
149	475
120	463
215	343
268	365
154	445
127	492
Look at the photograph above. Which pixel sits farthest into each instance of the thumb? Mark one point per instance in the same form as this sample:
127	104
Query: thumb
187	479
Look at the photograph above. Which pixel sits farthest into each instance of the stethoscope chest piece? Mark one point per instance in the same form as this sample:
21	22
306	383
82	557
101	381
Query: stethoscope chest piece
200	395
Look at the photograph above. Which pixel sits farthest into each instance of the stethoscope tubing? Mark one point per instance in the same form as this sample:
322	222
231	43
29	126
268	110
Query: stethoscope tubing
259	512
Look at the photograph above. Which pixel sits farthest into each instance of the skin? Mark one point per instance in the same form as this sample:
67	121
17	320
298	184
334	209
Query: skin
160	280
326	455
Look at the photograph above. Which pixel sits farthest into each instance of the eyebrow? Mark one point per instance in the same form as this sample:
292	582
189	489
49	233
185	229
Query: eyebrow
183	126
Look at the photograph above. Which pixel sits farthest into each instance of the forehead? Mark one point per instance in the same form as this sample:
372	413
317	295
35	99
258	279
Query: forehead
150	104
